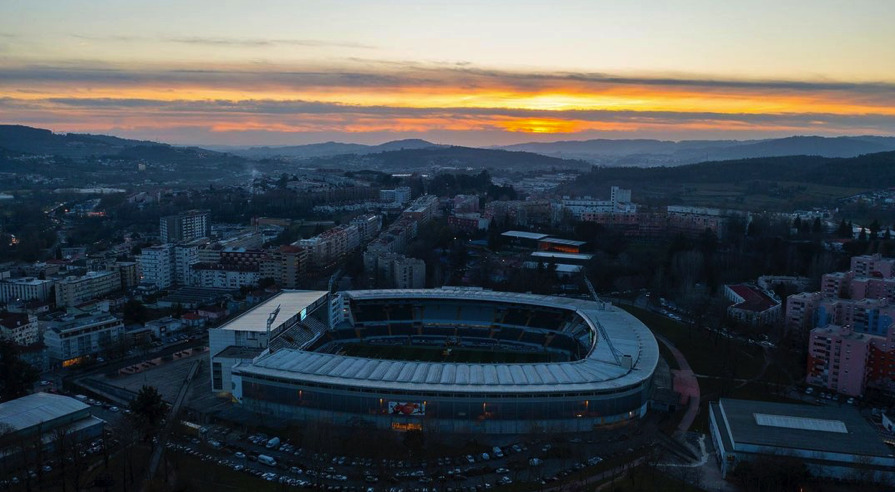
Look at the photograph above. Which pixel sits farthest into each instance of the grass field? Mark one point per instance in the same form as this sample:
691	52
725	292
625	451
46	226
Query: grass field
457	354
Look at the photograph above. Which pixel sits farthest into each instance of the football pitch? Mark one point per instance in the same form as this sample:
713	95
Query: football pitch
422	353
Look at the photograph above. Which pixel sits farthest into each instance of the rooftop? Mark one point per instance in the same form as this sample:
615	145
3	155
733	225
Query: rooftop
525	235
291	302
753	298
799	427
31	410
597	371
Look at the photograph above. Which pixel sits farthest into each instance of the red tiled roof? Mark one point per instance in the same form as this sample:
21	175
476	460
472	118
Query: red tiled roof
753	299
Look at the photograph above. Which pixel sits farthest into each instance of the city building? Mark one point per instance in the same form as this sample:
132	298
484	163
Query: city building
465	204
751	305
164	326
832	442
584	387
247	335
469	223
873	265
157	265
619	203
286	265
331	245
398	196
185	226
224	276
368	226
25	289
129	273
837	284
21	328
800	311
40	418
72	341
560	245
423	209
837	359
74	291
185	256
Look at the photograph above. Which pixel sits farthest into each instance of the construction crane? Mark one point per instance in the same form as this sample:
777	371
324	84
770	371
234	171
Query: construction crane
605	336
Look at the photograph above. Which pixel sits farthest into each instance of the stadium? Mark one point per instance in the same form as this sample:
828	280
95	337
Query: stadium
453	360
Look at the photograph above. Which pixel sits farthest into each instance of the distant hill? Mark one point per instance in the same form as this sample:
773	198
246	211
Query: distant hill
649	153
445	157
325	149
870	171
37	141
84	158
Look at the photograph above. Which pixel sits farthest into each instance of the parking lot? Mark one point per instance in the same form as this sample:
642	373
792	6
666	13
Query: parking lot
267	458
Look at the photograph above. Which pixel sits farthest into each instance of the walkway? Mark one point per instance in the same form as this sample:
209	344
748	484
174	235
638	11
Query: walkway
685	383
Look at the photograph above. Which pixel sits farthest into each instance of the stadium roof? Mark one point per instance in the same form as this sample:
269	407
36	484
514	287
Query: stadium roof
28	411
598	371
525	235
291	302
797	427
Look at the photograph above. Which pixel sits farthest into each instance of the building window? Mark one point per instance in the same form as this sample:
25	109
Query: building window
217	376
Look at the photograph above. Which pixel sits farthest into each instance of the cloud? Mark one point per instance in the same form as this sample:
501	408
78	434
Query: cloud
272	111
261	43
231	42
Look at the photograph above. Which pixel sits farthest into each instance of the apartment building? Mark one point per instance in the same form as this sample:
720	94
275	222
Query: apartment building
25	289
186	226
21	328
74	291
73	341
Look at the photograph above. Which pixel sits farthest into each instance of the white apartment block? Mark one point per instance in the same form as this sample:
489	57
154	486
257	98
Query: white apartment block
157	265
25	289
74	291
21	328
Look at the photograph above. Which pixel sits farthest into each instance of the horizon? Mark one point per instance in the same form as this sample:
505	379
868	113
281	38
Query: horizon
274	74
211	146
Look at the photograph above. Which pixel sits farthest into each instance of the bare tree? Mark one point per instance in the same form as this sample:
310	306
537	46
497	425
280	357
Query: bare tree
61	443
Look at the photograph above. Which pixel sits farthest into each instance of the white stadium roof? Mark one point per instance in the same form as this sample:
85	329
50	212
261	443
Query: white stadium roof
597	371
291	302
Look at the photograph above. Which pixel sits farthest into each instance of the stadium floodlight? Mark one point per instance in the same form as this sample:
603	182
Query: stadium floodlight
270	320
605	336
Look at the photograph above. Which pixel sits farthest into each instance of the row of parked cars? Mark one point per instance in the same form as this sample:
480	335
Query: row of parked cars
828	396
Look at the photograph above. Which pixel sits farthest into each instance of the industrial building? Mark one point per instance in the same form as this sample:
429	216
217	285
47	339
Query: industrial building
835	442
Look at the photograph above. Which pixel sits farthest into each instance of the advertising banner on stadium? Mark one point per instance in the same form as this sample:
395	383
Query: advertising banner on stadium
407	408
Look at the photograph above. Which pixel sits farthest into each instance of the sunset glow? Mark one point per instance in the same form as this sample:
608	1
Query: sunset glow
239	80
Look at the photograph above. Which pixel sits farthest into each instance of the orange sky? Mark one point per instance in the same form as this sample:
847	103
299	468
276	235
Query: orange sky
455	72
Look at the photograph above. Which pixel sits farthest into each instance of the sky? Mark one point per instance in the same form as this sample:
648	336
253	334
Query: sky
495	72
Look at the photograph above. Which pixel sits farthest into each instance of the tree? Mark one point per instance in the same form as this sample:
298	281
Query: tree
148	410
844	230
135	312
17	377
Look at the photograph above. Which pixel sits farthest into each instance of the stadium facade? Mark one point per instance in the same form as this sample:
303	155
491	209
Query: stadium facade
468	361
